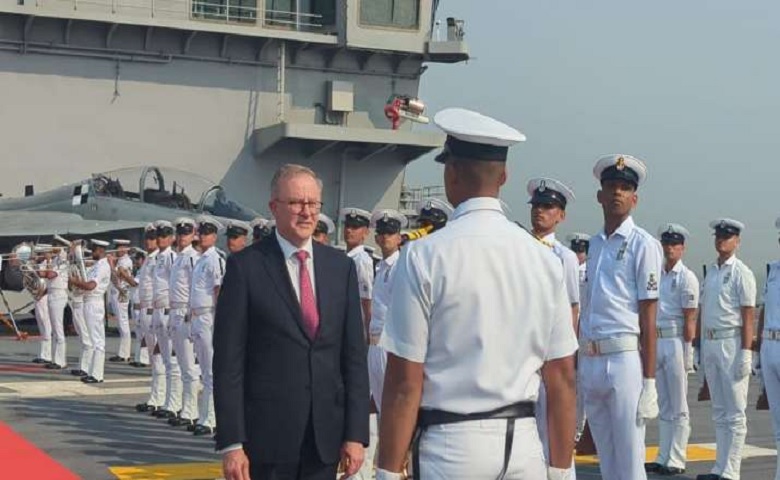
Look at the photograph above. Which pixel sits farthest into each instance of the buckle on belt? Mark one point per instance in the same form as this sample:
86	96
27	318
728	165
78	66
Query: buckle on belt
592	348
709	334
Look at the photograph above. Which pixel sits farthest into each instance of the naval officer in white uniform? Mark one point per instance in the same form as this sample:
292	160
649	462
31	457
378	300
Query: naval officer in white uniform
549	198
618	324
325	228
356	221
676	327
119	296
728	300
469	341
579	243
769	346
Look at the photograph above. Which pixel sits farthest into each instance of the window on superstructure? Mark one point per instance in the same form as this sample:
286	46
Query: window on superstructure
390	13
228	11
306	15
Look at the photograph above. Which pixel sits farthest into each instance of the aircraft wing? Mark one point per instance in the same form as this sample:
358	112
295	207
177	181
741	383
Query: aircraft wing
28	223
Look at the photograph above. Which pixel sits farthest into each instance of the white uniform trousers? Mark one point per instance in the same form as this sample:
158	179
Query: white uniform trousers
770	370
140	352
673	418
611	385
157	394
160	320
58	299
44	327
202	335
474	450
122	314
185	357
80	324
95	313
729	400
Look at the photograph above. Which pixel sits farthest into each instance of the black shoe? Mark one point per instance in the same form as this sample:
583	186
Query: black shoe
90	379
39	360
117	358
138	364
653	467
664	470
164	414
54	366
78	373
709	476
145	407
180	422
201	430
191	427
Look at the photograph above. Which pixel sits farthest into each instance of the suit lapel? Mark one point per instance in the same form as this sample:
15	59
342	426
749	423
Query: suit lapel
277	270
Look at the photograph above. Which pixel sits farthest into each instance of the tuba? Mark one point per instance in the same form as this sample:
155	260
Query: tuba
33	283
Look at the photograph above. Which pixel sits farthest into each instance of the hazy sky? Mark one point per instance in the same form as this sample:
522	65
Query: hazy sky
692	88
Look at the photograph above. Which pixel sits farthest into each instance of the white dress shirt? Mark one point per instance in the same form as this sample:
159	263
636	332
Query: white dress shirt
383	290
679	290
293	265
623	269
483	305
146	280
100	273
162	275
181	275
206	277
772	298
726	289
365	271
571	266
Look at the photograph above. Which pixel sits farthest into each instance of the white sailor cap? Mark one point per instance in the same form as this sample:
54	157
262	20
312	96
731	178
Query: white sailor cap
727	226
150	231
548	191
271	223
578	241
432	205
164	228
673	233
185	225
355	217
98	243
618	166
325	225
122	242
388	221
208	224
473	136
237	228
258	222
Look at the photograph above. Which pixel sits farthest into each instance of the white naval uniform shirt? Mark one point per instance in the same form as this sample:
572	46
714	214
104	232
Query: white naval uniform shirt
483	305
772	298
679	290
571	267
726	289
365	271
383	290
623	269
293	265
146	280
181	275
582	271
59	284
206	276
162	275
126	263
100	273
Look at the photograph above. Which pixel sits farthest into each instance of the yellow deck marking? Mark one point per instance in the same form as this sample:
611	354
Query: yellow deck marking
169	471
696	453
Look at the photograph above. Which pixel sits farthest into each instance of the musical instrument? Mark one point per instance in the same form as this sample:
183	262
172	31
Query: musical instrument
416	234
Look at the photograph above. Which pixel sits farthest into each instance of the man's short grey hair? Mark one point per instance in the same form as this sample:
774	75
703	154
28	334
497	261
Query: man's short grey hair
291	170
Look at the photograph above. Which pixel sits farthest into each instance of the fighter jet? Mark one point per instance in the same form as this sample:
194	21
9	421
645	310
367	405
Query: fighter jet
111	204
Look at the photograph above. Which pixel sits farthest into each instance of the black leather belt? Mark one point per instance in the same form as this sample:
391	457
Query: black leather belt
427	418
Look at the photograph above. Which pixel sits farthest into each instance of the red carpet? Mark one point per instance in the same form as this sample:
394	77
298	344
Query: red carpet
20	459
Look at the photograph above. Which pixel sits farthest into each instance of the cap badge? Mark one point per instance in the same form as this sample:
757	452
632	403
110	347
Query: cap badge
542	186
621	163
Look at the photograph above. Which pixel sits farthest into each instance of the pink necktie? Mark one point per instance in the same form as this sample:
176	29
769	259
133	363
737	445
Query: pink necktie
311	318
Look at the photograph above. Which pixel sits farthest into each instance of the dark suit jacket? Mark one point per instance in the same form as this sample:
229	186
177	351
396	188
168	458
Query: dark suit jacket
269	378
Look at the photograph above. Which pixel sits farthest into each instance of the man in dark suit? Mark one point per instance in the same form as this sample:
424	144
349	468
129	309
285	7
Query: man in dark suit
290	376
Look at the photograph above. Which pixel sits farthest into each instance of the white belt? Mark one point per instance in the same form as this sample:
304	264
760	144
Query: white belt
159	304
721	333
178	305
770	334
202	310
373	339
668	332
93	300
592	348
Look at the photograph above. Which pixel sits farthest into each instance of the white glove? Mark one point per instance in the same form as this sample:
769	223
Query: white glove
385	475
559	473
743	363
688	357
648	402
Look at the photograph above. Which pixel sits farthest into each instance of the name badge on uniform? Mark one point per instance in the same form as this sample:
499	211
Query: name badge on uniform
622	252
674	283
727	278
